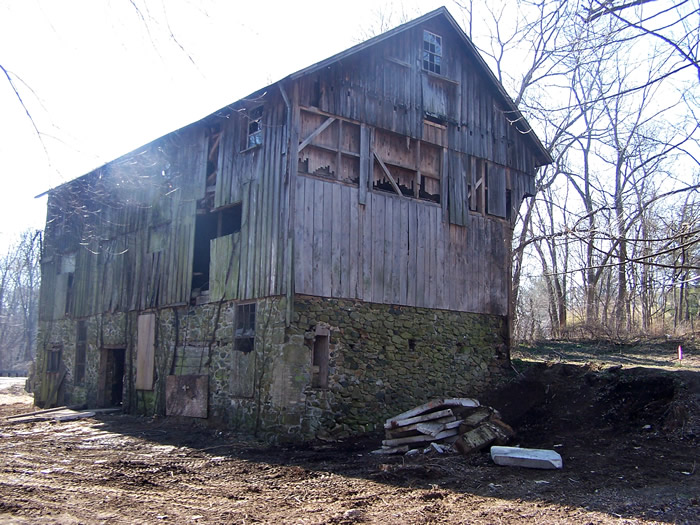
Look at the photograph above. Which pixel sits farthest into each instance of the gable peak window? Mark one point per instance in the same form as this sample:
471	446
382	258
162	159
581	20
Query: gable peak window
255	130
432	52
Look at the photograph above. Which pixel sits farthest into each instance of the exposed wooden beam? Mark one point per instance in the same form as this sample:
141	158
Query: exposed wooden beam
386	172
316	133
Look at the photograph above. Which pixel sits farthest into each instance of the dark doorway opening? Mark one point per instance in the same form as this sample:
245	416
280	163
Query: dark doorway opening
211	225
111	387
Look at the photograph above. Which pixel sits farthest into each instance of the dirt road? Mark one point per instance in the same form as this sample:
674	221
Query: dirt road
629	439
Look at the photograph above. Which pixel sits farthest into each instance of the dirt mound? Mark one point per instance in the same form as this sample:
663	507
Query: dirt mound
550	401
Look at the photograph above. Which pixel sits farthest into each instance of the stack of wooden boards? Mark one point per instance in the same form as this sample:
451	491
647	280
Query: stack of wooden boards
461	423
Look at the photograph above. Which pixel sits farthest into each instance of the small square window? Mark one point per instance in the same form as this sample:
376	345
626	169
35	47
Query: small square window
255	130
432	52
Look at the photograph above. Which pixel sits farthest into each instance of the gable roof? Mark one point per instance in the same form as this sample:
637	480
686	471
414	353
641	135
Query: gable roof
515	116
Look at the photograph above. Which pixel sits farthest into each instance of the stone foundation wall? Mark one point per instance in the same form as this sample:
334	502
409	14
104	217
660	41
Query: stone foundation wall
385	359
382	359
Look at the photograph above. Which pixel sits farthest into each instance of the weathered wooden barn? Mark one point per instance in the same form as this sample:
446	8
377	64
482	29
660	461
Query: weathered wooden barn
315	257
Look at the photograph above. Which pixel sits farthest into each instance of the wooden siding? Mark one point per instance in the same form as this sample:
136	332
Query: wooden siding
386	87
395	250
131	225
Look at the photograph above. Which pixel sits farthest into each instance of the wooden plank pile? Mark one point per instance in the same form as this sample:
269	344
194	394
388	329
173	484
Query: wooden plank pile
461	424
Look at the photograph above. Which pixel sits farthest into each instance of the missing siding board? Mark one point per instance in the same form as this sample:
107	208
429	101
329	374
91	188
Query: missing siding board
329	148
407	166
80	352
488	193
245	328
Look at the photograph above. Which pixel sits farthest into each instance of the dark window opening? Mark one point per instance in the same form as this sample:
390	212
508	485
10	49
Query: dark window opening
432	52
110	390
412	344
208	226
245	328
320	359
255	129
80	352
69	293
509	205
54	359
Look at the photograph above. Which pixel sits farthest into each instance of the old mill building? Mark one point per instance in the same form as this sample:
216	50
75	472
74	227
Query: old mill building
315	257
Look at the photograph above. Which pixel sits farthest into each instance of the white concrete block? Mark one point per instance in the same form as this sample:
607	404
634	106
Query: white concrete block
526	457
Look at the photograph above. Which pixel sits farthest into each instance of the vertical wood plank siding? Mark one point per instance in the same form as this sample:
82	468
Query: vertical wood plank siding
401	249
131	225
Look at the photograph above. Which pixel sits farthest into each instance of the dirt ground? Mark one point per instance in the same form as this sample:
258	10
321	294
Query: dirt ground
628	436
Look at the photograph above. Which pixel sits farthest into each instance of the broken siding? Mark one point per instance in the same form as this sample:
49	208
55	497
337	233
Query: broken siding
133	240
254	177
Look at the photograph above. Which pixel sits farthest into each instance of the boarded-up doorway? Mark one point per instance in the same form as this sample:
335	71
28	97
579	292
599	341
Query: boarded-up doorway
111	386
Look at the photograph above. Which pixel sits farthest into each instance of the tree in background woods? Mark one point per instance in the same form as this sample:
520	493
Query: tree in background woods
19	296
610	242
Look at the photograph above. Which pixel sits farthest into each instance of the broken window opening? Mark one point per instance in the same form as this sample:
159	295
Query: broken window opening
255	128
80	352
210	225
329	147
320	358
55	354
407	166
432	52
245	328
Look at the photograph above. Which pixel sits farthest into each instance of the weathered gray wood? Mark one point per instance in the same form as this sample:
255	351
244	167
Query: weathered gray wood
378	247
432	405
364	163
419	439
318	238
337	238
397	431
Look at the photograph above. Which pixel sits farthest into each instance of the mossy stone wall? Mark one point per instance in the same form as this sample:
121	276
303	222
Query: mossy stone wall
383	359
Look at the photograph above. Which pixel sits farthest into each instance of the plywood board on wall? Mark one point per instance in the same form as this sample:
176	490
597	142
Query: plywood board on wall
145	350
186	395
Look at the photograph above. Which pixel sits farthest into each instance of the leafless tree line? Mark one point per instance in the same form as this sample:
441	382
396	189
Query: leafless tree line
19	296
609	246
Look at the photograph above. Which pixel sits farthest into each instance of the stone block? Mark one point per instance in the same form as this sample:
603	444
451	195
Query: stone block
526	457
